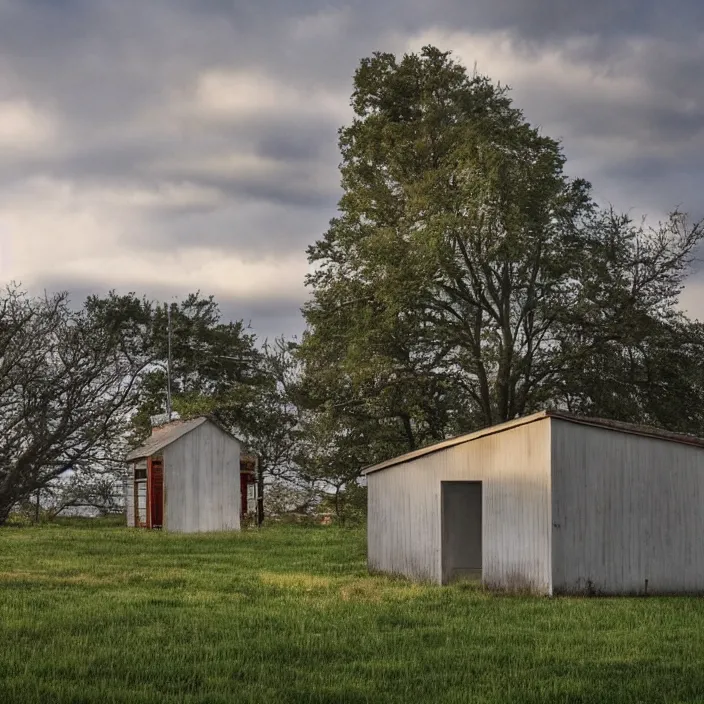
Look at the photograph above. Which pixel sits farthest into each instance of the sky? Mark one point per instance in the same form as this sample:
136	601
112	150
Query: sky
170	146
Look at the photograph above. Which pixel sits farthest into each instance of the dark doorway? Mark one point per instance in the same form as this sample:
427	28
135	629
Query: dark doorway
156	492
461	531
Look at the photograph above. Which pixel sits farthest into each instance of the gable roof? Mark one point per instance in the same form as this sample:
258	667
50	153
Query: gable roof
166	434
620	426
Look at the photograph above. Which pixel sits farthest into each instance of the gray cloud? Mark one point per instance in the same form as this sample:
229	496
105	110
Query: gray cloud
252	232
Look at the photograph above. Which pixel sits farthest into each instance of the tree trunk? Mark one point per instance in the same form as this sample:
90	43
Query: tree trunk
337	502
408	430
5	508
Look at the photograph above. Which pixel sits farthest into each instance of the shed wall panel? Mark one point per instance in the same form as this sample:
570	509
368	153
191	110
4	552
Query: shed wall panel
626	508
404	518
202	482
129	495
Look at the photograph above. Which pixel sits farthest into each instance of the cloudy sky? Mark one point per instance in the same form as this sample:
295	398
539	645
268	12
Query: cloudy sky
173	145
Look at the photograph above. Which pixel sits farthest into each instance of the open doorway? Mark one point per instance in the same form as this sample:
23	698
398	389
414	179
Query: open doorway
461	549
149	492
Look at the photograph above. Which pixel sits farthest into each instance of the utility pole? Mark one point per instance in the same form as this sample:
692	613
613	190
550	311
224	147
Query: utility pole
168	363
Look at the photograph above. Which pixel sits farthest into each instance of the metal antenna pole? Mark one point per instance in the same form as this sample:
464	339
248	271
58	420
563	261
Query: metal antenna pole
168	363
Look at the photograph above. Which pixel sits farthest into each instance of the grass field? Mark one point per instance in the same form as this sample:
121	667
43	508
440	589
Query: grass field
289	614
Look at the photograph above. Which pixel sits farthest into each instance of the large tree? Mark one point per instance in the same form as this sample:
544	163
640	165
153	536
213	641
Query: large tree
466	276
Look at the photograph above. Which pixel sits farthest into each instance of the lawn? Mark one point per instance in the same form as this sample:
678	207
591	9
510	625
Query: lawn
289	614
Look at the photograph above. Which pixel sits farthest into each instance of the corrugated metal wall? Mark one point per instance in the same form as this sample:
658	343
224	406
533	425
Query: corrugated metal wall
626	508
404	519
129	495
202	482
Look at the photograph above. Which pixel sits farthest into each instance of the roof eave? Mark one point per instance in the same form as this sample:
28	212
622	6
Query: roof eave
459	440
619	426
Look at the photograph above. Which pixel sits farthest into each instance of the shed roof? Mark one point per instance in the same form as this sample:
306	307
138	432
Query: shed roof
620	426
166	434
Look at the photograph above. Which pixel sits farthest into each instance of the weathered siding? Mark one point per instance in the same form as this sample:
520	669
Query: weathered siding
129	495
626	508
202	482
404	522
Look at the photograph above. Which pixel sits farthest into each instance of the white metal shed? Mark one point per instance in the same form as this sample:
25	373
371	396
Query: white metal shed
550	503
189	476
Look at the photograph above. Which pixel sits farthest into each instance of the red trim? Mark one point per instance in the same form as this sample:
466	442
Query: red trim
149	492
243	494
155	492
247	478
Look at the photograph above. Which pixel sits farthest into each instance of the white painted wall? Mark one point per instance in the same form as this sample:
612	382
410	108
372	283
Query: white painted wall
626	508
129	496
202	482
129	490
404	519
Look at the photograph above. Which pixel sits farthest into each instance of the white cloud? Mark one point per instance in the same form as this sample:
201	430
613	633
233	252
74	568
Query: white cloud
23	128
83	236
692	299
223	163
190	269
228	95
69	196
164	196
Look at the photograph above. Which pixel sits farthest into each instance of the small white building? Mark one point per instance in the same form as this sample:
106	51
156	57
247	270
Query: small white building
189	476
550	503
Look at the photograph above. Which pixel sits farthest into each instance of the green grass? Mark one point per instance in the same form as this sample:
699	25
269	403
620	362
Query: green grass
289	614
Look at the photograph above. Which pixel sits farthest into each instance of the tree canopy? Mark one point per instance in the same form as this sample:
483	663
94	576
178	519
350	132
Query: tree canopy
467	280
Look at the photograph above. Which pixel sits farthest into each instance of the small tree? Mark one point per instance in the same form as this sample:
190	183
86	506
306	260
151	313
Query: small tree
214	363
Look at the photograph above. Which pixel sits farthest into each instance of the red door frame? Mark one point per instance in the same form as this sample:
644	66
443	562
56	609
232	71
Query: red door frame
155	492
